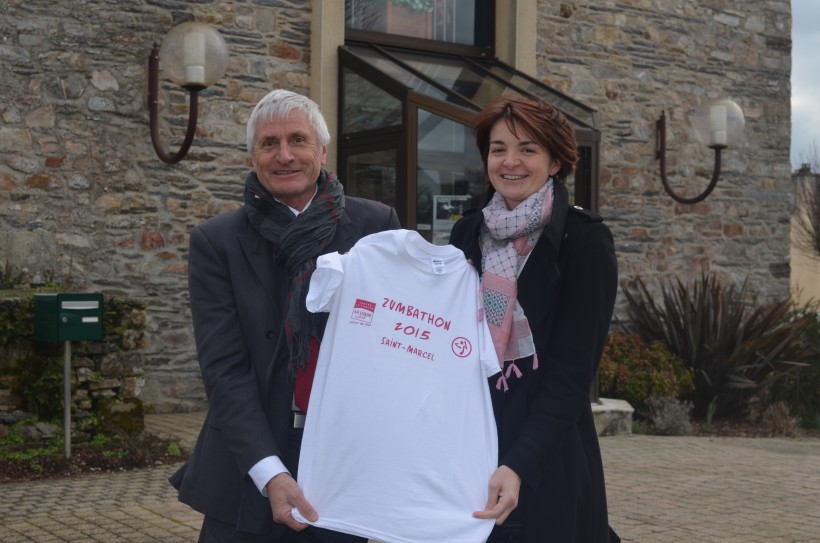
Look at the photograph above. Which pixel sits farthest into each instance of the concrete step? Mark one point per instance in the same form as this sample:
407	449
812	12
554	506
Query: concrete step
612	417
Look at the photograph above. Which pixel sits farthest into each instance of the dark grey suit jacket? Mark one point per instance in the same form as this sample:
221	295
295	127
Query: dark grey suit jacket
238	302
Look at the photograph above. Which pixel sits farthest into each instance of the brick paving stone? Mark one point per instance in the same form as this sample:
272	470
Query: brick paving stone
713	489
659	490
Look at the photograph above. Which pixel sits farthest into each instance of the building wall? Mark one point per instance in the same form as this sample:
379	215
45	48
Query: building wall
85	202
634	59
805	277
805	265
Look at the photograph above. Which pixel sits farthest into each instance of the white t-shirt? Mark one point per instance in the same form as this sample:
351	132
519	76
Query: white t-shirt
400	440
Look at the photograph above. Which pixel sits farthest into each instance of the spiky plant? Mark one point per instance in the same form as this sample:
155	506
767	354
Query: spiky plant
735	346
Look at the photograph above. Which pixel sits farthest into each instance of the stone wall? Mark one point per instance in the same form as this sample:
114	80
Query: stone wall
633	59
85	202
107	377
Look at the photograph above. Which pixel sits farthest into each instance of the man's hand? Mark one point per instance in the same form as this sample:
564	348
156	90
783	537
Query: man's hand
503	496
284	494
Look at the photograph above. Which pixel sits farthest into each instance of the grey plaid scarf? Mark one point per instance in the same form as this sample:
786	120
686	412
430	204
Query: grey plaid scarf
297	242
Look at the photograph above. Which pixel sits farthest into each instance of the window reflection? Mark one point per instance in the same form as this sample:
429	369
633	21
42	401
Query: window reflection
449	21
430	170
372	175
449	176
366	106
455	74
400	74
566	105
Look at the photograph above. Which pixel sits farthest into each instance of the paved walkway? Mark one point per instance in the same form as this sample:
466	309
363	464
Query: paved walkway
661	490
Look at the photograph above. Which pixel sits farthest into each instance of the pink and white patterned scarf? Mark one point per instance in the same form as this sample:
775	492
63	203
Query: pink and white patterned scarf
507	237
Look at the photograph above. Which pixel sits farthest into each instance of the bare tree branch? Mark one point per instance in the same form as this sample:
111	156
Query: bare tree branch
811	158
806	213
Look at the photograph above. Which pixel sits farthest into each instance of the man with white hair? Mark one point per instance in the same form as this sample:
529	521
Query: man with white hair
249	272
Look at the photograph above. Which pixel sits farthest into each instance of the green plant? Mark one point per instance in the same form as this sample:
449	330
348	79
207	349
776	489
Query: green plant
173	449
108	453
736	347
12	438
41	385
98	441
17	322
27	454
111	446
801	389
640	427
118	453
710	415
634	371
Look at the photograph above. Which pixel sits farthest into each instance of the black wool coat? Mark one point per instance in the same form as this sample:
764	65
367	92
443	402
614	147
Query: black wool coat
546	431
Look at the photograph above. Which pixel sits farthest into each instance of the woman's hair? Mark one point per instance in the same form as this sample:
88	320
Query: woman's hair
537	119
278	104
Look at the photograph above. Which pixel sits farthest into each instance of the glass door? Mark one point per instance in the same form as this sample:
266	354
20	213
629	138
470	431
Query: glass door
449	175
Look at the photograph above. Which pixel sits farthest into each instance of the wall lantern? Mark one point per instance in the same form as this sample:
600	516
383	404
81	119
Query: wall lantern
718	124
193	56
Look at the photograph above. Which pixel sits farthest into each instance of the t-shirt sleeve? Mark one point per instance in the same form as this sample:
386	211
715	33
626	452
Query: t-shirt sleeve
325	281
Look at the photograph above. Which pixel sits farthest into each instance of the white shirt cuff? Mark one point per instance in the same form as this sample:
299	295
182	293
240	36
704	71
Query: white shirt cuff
265	470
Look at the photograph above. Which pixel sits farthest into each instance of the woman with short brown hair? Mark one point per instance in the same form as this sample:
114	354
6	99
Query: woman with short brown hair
549	280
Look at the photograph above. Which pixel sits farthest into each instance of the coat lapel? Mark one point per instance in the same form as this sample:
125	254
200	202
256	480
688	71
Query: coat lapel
259	254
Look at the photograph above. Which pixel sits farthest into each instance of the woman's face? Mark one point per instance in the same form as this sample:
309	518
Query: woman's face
517	165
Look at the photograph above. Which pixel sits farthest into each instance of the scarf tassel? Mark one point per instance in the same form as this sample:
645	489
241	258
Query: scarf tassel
503	379
505	376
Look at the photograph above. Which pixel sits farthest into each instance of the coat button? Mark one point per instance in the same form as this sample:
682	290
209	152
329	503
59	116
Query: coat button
269	334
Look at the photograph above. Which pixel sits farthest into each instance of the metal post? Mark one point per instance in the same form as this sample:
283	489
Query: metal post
67	399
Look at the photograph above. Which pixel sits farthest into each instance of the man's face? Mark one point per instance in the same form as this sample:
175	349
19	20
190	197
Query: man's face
287	158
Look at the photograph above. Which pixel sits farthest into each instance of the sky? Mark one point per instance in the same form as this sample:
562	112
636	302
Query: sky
805	81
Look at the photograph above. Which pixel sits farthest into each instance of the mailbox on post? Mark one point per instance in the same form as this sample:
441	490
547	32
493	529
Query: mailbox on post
68	317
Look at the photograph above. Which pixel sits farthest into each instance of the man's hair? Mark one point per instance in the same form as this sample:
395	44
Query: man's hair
537	119
278	104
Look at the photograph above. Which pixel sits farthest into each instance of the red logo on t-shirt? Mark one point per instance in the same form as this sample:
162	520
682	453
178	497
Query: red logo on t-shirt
363	312
461	347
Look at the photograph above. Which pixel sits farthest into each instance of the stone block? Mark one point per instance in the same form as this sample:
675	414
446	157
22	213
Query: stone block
612	417
39	431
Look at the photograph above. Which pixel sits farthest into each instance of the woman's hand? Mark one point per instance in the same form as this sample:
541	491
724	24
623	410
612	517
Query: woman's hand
503	495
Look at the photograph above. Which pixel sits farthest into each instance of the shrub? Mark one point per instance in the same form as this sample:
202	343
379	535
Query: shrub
801	390
41	385
736	348
670	416
778	421
634	371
